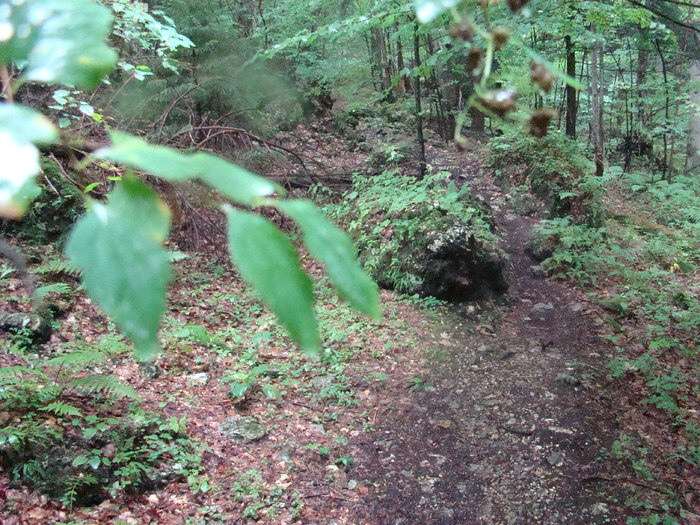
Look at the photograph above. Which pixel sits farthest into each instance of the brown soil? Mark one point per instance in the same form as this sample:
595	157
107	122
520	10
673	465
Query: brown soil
510	426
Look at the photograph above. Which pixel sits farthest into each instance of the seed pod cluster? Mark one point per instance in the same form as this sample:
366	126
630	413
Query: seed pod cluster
473	60
541	76
500	36
461	30
499	102
539	121
461	143
517	5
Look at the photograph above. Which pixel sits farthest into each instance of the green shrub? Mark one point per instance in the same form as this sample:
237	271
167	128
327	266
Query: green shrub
553	168
422	235
60	435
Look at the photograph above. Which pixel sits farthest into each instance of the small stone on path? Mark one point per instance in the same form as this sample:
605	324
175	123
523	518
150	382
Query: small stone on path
200	379
242	429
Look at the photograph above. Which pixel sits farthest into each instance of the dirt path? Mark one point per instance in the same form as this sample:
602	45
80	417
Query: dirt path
511	422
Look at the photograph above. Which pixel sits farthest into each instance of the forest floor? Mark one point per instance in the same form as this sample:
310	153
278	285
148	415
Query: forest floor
493	414
513	424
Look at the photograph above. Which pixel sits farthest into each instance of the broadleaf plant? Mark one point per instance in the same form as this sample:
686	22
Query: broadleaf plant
119	245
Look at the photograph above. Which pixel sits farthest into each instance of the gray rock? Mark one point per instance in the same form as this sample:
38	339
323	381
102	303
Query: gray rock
541	307
200	379
149	370
242	429
36	326
322	382
555	459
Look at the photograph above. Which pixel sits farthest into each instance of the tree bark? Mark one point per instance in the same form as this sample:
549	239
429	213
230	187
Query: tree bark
419	110
571	102
403	85
665	170
596	90
693	162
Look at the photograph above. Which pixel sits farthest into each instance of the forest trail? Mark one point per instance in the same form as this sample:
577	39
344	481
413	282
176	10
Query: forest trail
509	425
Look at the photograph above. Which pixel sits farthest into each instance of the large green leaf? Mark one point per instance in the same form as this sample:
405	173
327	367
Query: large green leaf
236	183
58	40
20	129
336	251
119	246
137	153
268	260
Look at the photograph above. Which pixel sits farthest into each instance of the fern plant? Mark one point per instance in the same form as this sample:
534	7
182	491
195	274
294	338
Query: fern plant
58	438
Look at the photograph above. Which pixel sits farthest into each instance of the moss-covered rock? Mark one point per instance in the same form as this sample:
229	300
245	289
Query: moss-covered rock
423	236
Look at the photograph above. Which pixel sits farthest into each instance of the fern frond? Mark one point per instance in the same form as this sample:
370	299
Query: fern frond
13	372
62	409
16	372
57	288
57	267
112	345
81	357
692	215
177	255
107	385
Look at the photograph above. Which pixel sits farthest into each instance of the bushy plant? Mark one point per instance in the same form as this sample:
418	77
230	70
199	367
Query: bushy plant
422	235
553	168
61	436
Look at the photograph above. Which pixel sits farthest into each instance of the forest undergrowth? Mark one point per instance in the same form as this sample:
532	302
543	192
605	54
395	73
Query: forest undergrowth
228	357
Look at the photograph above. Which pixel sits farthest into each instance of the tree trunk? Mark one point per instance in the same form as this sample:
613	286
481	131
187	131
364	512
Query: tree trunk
403	85
597	131
419	109
693	162
571	102
664	165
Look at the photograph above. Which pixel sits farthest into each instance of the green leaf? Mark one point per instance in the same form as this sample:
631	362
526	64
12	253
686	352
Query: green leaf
238	390
119	247
60	40
271	392
80	460
236	183
336	251
94	462
268	260
139	154
20	129
233	181
429	10
26	125
91	187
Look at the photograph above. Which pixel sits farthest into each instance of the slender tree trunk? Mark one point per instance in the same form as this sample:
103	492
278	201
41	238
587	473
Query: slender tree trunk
419	109
571	103
693	162
664	165
597	128
403	84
